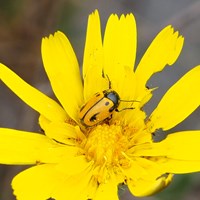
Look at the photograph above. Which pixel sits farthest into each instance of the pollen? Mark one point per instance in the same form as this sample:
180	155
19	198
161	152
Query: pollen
106	144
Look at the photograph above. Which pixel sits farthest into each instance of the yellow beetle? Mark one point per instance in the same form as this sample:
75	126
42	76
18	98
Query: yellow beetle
99	107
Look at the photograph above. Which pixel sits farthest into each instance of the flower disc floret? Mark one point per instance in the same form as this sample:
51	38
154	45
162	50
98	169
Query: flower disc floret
105	145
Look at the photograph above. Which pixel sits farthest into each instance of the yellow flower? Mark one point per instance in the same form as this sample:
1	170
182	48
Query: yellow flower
79	161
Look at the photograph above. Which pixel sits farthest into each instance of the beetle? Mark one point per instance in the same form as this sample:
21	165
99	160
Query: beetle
100	107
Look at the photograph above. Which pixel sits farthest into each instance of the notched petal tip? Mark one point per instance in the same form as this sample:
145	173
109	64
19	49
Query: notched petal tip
62	68
59	34
166	45
119	45
93	56
176	48
95	13
113	18
123	17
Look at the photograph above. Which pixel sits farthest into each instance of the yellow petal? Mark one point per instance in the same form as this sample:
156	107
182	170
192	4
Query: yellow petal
43	122
72	183
178	153
62	69
145	188
142	168
126	88
180	166
20	147
164	50
34	98
79	184
76	187
181	146
93	58
178	103
120	43
74	165
62	132
119	54
145	177
107	191
37	182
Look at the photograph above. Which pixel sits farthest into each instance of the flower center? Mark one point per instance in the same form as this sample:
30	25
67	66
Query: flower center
105	145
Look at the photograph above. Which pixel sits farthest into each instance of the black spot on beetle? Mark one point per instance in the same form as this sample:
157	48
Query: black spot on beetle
107	103
111	109
94	117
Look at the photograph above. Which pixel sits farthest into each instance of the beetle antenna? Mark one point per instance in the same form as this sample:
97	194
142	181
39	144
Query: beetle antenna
106	76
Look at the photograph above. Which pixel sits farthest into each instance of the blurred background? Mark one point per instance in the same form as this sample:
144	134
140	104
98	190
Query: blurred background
24	22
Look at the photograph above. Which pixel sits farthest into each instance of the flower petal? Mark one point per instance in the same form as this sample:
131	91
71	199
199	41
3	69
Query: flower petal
20	147
164	50
62	69
145	188
120	43
71	181
76	186
126	89
143	169
179	166
179	102
37	182
33	97
178	153
119	54
181	146
107	191
74	165
93	58
146	177
62	132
